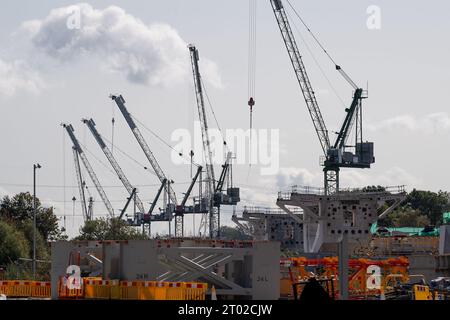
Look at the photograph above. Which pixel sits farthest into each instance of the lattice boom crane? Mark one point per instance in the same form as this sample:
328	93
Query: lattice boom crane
126	183
89	169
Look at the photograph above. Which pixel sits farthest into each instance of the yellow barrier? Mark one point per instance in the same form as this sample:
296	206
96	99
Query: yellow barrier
422	293
153	290
95	288
65	293
25	289
100	289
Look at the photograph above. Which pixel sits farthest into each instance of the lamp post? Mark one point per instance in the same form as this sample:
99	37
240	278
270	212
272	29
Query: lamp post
35	166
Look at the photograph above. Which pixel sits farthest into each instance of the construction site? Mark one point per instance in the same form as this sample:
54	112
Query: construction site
329	236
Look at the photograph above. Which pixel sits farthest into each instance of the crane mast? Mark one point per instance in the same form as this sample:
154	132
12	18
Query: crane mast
81	184
145	148
213	218
89	169
126	183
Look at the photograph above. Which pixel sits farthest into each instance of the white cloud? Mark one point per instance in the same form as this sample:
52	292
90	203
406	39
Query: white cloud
392	177
287	177
18	76
145	54
431	123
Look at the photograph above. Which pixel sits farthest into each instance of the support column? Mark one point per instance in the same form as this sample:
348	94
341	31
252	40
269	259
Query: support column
343	267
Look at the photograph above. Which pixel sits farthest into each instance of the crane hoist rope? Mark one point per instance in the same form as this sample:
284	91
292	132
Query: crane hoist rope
338	68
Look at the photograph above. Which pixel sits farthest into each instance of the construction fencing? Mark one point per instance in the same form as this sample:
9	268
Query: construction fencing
134	290
25	289
96	288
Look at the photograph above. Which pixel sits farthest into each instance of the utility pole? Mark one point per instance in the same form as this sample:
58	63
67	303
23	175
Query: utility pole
35	166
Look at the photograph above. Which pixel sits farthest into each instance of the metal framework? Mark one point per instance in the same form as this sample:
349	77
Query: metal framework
89	169
81	185
120	101
335	155
126	183
210	179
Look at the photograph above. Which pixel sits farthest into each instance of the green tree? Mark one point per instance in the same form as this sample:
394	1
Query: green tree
109	229
19	211
230	233
13	244
406	217
431	204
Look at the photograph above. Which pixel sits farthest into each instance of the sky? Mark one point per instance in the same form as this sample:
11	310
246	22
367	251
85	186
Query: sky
55	68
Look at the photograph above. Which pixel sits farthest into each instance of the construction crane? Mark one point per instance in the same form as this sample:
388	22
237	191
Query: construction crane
210	179
81	184
120	101
126	183
89	169
336	155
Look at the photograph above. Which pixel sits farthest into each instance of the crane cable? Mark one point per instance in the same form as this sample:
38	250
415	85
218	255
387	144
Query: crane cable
162	140
317	62
252	9
339	68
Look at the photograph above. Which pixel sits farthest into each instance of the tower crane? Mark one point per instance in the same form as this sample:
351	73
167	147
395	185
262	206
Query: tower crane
120	101
81	184
336	155
126	183
215	195
87	165
210	179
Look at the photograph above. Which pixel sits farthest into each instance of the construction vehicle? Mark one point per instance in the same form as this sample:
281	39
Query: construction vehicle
339	154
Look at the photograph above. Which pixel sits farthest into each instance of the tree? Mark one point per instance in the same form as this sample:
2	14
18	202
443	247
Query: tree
429	203
109	229
230	233
13	244
19	211
406	217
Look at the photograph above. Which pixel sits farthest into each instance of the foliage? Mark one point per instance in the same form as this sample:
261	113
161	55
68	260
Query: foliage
109	229
430	204
14	244
19	211
230	233
406	218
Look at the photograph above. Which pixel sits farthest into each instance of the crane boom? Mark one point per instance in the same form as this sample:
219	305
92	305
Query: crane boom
301	74
213	219
89	169
202	114
120	101
80	184
126	183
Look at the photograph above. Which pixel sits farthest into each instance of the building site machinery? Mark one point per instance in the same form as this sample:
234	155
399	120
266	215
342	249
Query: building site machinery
214	191
339	154
79	153
119	172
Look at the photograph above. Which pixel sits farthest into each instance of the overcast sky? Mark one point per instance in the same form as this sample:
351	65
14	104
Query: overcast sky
51	74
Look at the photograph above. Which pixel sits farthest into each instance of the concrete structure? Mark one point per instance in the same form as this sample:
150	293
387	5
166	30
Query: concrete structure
243	270
330	218
272	225
444	240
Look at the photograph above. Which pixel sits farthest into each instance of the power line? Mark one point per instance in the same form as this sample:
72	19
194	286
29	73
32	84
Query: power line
73	186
